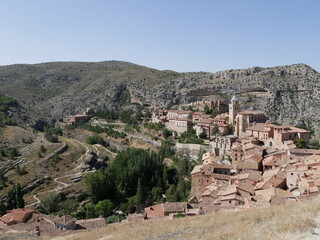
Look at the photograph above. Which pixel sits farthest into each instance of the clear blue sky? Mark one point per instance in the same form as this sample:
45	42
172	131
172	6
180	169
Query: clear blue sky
181	35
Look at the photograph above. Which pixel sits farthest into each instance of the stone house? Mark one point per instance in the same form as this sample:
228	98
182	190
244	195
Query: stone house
64	222
159	116
204	175
261	131
179	125
286	133
165	209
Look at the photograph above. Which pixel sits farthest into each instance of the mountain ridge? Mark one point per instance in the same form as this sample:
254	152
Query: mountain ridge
288	94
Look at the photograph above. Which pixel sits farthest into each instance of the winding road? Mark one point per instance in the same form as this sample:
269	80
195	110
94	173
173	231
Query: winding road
61	185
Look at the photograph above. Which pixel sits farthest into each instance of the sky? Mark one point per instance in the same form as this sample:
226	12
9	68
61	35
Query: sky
180	35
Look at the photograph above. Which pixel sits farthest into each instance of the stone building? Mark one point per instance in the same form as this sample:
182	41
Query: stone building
234	108
245	119
221	145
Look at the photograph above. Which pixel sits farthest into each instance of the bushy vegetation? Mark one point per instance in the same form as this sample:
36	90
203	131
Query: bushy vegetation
5	103
15	198
137	178
300	143
109	130
125	116
95	140
52	133
155	126
315	144
190	137
57	205
212	111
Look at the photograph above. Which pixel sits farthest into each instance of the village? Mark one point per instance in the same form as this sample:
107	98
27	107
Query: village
247	162
259	165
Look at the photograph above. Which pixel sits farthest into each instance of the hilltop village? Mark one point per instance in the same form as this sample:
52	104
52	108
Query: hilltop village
250	161
233	159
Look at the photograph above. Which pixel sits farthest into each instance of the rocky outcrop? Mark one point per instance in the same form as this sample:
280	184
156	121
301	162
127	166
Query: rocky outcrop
288	94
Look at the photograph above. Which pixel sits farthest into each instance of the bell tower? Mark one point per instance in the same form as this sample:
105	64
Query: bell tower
234	108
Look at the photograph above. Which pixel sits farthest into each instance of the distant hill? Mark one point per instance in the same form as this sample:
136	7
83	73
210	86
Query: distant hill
288	94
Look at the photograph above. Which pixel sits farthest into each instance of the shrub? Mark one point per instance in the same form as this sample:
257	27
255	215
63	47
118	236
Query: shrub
95	140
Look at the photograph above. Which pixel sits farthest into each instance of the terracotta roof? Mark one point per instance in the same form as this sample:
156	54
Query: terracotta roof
16	215
174	206
261	127
271	172
64	220
231	197
290	129
223	166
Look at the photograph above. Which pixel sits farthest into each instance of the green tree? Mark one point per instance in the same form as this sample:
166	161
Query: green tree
19	196
104	208
2	208
49	204
68	206
300	143
139	198
215	130
203	135
315	144
206	109
90	213
42	149
166	133
95	140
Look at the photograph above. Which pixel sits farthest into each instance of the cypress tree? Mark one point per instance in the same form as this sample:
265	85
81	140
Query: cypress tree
19	197
139	199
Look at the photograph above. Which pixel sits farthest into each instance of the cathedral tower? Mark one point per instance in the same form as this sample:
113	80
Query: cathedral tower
234	108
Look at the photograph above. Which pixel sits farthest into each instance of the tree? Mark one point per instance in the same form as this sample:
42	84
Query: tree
315	144
19	197
68	206
300	143
139	198
166	133
49	204
104	208
206	109
13	153
215	130
89	208
95	140
42	149
2	208
203	135
15	197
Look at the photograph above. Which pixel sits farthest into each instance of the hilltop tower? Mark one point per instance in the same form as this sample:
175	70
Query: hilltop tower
234	108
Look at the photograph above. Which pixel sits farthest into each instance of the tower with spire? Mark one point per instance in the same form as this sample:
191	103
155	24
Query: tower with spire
234	108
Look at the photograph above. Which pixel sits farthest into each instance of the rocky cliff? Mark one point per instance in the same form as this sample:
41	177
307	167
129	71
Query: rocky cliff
288	94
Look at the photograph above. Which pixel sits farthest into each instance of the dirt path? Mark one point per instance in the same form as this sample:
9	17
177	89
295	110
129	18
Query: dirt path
60	184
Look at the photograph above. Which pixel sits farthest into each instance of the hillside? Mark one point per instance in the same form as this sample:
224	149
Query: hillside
288	94
277	222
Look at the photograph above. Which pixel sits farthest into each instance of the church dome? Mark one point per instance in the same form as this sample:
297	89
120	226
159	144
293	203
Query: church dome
234	99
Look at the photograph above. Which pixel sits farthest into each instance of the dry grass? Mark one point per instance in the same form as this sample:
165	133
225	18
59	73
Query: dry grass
279	222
